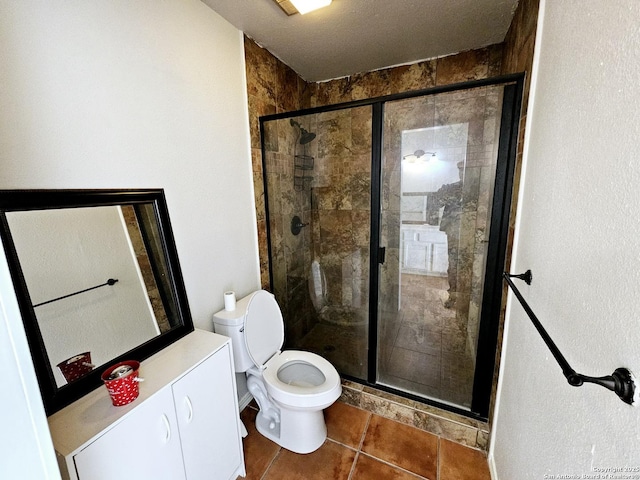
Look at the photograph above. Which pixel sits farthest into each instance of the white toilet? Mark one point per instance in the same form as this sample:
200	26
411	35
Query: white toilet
291	387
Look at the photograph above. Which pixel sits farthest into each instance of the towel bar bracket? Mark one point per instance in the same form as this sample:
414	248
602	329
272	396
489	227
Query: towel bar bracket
526	276
620	381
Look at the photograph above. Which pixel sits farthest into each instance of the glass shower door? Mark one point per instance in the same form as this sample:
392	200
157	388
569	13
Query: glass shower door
318	193
439	161
387	232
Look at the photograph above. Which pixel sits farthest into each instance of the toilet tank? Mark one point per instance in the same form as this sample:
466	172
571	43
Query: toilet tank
231	324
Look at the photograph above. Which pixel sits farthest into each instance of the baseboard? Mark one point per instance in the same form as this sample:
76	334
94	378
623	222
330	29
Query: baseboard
492	467
245	400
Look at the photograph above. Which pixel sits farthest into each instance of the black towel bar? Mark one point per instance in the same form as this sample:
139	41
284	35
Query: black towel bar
109	282
620	381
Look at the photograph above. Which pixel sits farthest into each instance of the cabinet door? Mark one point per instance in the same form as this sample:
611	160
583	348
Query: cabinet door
145	444
208	419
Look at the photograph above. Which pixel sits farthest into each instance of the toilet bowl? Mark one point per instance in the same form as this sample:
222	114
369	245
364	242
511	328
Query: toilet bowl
291	387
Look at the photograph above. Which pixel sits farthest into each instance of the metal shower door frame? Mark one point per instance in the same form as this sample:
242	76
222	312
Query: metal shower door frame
492	301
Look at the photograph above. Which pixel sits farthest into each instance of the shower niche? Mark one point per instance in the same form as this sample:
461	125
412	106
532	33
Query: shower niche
348	283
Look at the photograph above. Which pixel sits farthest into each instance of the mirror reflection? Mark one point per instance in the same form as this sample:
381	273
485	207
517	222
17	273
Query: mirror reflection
97	279
431	189
90	278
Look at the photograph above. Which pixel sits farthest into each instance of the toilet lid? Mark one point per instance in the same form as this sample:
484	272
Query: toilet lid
263	327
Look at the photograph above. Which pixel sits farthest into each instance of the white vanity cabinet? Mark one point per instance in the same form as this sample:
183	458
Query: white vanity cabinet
424	250
208	419
145	445
184	424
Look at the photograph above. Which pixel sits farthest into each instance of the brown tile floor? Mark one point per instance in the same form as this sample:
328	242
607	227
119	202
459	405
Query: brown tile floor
362	446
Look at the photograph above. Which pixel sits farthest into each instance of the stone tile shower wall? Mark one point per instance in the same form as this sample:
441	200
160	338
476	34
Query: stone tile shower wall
341	211
272	87
333	198
291	254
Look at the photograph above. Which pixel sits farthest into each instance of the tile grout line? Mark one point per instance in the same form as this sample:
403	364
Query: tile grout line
398	467
364	432
266	470
353	465
362	437
393	464
438	459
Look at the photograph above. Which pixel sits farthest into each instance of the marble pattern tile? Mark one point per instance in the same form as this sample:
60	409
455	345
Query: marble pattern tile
361	132
261	72
452	431
258	107
463	67
287	89
351	396
417	76
370	84
416	406
384	408
424	371
496	53
482	440
333	92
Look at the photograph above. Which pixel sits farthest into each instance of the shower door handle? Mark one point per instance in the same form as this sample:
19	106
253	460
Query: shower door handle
382	251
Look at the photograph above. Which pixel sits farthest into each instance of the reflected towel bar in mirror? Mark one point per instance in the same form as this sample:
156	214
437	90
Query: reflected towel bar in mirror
110	282
620	381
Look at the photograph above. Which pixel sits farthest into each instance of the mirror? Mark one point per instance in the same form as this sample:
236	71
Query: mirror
97	278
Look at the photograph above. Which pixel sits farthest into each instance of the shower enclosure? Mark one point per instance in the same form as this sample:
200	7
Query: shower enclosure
387	228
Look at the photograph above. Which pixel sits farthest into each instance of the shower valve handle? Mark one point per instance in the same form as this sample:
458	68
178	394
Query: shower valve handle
296	225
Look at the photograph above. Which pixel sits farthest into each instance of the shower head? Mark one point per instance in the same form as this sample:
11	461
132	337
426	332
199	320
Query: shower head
305	137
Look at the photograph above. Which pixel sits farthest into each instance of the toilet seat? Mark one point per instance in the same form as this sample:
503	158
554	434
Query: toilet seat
264	337
296	394
263	328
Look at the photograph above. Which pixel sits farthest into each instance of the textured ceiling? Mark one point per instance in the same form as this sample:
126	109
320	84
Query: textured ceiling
352	36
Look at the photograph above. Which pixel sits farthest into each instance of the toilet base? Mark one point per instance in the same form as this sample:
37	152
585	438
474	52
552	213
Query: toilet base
300	431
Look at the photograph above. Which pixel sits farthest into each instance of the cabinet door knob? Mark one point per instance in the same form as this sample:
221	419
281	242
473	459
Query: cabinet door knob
187	400
167	427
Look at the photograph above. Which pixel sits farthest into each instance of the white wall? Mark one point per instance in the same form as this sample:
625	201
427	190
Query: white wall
578	231
26	450
109	94
137	94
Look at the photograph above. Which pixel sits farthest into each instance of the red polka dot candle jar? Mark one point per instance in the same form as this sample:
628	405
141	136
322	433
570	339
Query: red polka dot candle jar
76	366
121	381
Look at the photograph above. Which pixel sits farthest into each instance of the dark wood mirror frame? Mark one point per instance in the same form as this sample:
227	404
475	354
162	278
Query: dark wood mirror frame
55	397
